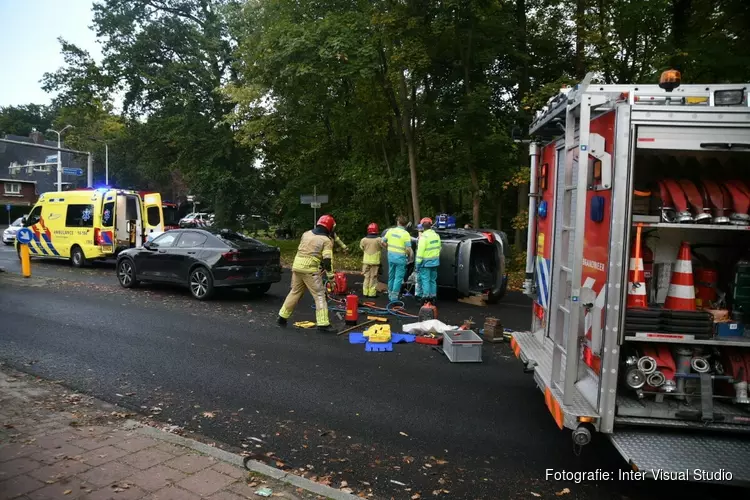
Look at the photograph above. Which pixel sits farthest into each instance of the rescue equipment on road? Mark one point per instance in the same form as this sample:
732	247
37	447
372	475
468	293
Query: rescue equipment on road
352	309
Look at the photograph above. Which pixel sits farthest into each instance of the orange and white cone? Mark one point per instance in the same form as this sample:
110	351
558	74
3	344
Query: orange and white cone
681	294
636	279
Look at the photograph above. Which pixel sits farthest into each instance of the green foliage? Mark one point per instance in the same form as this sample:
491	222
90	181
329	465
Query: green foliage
22	120
250	104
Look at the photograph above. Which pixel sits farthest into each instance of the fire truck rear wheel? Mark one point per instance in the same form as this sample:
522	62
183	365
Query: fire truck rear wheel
77	258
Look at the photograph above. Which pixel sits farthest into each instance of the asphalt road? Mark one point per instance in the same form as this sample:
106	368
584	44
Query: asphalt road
402	423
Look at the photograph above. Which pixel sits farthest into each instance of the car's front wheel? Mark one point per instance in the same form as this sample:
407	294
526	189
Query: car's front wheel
201	283
126	273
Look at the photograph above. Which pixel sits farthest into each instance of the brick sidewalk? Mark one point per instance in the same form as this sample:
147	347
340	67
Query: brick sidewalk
57	444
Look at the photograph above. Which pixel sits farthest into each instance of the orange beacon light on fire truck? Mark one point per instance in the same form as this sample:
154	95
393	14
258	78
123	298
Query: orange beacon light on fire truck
670	80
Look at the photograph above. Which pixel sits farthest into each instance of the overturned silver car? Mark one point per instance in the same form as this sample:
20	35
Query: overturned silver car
472	262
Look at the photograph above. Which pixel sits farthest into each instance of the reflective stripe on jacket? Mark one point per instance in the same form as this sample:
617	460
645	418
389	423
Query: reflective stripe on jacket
428	249
371	248
313	248
398	240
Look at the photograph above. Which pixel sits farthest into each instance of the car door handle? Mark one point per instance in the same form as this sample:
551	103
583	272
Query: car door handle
162	251
191	253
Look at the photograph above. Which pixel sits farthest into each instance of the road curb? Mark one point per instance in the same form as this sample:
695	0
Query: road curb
237	460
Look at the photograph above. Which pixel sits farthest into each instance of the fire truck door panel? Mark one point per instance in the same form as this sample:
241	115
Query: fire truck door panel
543	235
652	451
596	248
694	138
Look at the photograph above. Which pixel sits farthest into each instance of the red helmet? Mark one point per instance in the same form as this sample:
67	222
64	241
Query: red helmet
426	220
327	222
373	228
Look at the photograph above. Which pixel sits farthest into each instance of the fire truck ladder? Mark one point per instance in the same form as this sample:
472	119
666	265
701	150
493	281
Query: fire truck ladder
566	322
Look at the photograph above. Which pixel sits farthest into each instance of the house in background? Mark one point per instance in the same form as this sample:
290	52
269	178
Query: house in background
30	168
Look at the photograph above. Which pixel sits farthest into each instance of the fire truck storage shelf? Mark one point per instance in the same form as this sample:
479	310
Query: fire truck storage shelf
687	339
704	227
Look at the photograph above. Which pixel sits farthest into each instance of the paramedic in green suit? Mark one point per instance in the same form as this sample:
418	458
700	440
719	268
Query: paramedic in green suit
398	242
428	260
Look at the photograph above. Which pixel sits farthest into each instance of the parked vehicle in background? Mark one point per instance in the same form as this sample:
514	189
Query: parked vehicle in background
197	219
472	262
9	235
169	210
87	224
203	260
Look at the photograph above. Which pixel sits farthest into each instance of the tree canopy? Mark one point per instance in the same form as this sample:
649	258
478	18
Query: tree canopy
388	106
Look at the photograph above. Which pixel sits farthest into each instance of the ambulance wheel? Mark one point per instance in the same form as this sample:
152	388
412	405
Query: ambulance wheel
258	290
126	273
201	283
77	258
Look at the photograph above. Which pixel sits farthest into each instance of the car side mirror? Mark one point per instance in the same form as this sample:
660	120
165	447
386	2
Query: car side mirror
149	246
23	220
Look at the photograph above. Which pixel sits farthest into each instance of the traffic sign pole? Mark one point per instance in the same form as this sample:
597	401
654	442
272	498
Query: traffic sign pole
23	238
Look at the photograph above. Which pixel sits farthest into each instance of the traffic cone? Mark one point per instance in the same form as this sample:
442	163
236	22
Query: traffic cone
636	279
681	294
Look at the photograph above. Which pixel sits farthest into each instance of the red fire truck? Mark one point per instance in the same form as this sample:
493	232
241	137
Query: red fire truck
634	187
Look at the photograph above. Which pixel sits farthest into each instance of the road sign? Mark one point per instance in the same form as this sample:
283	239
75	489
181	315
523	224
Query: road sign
24	235
307	199
7	207
315	205
73	171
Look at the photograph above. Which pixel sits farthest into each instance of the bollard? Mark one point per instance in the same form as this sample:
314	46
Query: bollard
23	238
25	261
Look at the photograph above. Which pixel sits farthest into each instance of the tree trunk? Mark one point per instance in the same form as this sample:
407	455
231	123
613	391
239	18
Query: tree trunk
411	146
680	29
476	195
523	200
499	214
580	20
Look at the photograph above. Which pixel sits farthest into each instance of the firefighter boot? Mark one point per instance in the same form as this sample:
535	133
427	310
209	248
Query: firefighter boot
281	321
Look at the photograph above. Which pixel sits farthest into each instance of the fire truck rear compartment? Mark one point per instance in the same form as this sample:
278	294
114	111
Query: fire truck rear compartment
705	403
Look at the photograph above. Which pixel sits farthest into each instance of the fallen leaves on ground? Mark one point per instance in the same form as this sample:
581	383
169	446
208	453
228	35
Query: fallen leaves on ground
209	414
535	494
408	459
415	496
403	434
562	492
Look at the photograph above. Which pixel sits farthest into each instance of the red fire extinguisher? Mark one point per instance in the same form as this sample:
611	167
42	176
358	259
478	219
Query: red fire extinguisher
352	309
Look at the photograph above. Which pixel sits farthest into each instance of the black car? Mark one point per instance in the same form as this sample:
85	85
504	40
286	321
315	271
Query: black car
202	259
472	262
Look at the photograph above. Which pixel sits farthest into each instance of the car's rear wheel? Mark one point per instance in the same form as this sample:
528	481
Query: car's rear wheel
77	258
259	289
201	283
126	273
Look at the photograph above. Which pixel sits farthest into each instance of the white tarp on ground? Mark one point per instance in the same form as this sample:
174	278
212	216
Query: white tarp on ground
432	325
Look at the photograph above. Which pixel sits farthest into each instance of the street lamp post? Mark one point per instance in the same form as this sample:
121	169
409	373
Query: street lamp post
106	159
59	154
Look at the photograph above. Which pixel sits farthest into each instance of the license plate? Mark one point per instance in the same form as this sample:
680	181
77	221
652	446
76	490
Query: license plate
107	249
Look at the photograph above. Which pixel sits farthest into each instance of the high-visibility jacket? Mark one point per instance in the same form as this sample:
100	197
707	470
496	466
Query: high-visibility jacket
398	240
313	248
338	241
370	245
428	249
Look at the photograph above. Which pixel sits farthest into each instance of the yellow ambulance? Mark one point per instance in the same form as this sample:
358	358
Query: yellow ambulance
89	224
